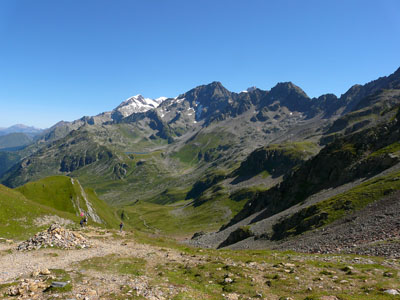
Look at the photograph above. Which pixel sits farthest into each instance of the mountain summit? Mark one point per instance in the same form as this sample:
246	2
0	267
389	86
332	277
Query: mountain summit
135	104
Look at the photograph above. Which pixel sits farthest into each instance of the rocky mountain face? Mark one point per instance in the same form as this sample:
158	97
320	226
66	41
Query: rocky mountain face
132	105
345	176
358	92
340	162
277	160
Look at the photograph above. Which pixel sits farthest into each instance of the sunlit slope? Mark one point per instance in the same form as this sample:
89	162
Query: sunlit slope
67	195
29	208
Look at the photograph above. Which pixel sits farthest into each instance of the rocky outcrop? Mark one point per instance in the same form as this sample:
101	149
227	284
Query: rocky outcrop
275	159
239	234
72	162
55	236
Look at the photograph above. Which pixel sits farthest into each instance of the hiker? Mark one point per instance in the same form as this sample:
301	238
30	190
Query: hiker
85	221
120	226
81	222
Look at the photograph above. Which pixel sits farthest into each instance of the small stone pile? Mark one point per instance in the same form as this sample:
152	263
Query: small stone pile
28	289
31	288
55	236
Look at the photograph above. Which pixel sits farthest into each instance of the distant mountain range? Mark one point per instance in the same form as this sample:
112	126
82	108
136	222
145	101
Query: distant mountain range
14	140
241	158
20	128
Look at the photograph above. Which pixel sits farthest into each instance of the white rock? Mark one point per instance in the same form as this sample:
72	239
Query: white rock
392	292
228	280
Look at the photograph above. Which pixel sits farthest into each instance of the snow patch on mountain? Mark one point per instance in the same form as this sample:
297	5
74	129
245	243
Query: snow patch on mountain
251	89
160	99
137	104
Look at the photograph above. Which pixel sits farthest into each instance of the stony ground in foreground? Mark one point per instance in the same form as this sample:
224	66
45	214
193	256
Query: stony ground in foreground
134	266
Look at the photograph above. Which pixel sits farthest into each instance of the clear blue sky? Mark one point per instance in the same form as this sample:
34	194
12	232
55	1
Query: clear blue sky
60	60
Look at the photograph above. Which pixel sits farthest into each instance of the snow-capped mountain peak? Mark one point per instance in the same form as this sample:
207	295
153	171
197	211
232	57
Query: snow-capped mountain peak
160	99
137	104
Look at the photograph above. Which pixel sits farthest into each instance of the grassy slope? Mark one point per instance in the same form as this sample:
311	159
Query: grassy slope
58	193
144	170
55	191
17	214
205	144
391	149
49	196
296	149
182	218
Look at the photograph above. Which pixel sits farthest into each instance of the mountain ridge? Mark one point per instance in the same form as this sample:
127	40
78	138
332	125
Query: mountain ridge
211	150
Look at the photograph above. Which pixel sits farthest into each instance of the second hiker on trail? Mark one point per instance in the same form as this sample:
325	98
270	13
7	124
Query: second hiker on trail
120	226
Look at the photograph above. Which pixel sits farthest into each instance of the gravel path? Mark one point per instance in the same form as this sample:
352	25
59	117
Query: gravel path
18	264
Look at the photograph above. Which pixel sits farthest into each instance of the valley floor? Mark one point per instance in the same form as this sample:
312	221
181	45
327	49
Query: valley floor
132	265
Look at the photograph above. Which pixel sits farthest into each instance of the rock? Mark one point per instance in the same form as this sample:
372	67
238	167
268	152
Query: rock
198	234
13	291
228	280
392	292
329	298
55	236
58	284
28	288
388	274
289	265
232	296
92	293
347	269
33	287
44	272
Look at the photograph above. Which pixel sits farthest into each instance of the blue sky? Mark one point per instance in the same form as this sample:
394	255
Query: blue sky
61	60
